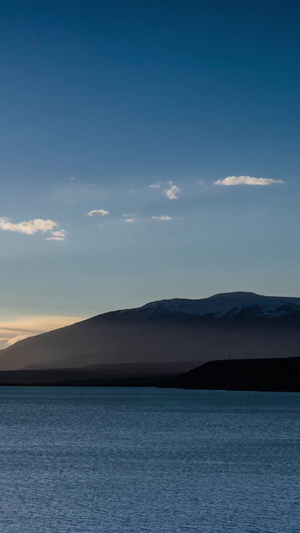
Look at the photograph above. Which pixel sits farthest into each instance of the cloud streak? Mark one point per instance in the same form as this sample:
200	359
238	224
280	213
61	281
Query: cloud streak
246	180
98	212
29	227
58	235
161	218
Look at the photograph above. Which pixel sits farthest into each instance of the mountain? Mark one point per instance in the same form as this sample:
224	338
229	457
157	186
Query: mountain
221	306
179	333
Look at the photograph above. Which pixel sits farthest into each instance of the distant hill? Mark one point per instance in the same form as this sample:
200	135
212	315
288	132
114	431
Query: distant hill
281	375
180	333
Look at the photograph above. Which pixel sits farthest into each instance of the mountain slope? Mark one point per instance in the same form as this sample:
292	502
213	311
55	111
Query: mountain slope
187	332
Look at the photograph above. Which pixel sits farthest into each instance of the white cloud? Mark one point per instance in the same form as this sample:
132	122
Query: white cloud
172	192
3	342
98	212
161	218
246	180
130	220
18	338
28	228
130	215
58	235
154	186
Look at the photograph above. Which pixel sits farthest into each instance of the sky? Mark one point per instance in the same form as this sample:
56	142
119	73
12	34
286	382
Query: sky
148	150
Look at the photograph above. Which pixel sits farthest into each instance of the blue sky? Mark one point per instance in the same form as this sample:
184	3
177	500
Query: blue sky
100	100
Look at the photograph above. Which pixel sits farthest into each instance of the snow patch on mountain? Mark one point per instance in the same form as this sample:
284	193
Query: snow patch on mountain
222	306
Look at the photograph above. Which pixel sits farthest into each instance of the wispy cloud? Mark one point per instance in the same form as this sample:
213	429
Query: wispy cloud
98	212
29	227
3	342
58	235
246	180
161	218
154	186
172	192
18	338
130	218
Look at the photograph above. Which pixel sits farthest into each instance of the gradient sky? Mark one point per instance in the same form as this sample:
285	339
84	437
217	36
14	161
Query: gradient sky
102	99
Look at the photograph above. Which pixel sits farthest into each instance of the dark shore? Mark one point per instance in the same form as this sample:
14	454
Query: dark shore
240	375
81	378
282	375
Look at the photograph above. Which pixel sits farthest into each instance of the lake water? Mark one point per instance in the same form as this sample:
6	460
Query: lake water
134	460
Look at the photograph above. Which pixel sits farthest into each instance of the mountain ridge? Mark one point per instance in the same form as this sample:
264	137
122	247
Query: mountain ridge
168	331
220	304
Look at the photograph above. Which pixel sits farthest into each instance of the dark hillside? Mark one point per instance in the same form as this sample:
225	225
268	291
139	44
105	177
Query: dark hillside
244	375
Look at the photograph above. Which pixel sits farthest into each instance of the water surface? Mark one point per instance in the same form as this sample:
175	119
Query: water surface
133	460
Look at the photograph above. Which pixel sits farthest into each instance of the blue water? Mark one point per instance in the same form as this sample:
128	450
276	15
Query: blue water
134	460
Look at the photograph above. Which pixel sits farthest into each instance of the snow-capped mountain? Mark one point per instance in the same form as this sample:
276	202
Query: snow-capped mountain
169	332
221	306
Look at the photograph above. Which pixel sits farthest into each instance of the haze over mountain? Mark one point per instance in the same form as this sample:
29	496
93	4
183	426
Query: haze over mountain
179	334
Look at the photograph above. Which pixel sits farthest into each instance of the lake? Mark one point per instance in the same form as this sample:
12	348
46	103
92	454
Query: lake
132	460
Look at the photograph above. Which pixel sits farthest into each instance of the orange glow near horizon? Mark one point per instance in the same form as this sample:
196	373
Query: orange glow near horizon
13	331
